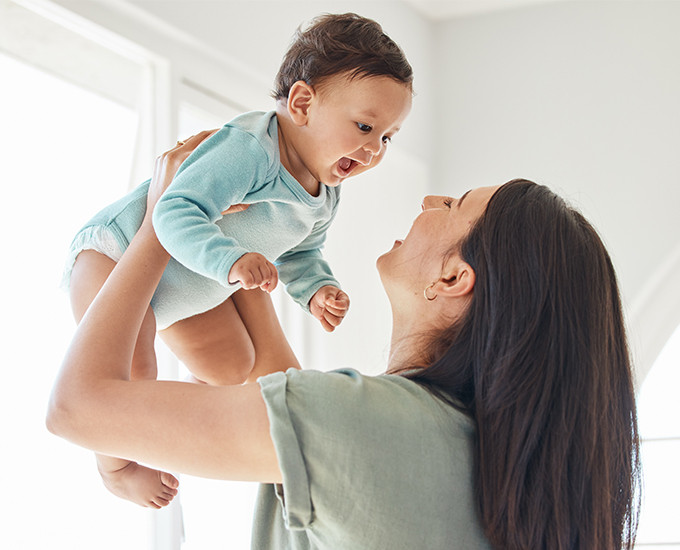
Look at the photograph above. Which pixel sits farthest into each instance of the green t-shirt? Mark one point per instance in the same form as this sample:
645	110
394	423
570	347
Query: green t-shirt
368	463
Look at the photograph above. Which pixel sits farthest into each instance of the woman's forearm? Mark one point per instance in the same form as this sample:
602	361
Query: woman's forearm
103	345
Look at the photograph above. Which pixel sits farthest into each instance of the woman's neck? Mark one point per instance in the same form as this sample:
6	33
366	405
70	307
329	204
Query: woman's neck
406	345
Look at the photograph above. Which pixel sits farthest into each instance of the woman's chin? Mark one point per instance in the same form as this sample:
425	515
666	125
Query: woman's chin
382	257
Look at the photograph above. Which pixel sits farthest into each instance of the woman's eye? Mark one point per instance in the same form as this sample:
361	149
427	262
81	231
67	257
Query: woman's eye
364	127
448	202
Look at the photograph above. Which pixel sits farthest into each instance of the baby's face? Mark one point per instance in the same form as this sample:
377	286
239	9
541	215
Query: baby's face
351	123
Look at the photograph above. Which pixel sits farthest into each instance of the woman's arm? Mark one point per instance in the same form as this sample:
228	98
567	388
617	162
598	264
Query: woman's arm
216	432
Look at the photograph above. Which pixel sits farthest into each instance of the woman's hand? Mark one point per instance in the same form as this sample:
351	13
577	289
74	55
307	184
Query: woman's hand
166	167
168	163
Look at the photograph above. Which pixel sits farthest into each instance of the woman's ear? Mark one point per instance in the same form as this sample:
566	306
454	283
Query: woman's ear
300	98
457	281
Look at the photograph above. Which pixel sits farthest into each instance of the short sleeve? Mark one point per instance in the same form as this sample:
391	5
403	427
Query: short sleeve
330	429
323	441
296	502
350	448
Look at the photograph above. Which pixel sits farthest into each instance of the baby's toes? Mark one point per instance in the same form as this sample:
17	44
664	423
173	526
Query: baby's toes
169	481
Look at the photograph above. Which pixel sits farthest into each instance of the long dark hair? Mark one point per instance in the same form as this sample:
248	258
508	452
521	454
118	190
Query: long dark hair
339	43
541	364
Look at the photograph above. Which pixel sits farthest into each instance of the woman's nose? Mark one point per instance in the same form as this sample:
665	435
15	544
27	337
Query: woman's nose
428	202
434	201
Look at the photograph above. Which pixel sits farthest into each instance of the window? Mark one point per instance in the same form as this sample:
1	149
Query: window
58	140
659	419
71	113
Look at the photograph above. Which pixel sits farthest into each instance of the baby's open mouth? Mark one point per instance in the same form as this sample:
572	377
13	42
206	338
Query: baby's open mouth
346	165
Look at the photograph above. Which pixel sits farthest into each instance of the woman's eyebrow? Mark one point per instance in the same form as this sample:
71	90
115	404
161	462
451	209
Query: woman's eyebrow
460	200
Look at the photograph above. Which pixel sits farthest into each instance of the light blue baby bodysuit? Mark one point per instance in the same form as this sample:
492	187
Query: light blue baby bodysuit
239	164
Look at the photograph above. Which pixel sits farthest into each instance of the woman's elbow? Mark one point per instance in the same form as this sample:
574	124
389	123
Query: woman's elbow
60	416
53	419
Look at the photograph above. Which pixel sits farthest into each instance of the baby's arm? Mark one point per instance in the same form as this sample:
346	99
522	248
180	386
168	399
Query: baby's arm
220	173
309	279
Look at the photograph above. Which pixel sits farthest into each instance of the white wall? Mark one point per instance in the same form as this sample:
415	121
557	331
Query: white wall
584	97
257	32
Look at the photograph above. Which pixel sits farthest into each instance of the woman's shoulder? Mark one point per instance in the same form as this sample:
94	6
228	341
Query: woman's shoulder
383	400
350	444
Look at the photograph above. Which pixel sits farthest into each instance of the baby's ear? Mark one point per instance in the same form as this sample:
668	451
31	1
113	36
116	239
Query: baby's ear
300	98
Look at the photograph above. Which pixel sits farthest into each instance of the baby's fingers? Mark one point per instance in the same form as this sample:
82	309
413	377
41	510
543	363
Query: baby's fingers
329	320
337	311
326	325
269	277
338	300
250	280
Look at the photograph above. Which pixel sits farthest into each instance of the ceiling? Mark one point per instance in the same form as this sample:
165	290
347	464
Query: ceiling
438	10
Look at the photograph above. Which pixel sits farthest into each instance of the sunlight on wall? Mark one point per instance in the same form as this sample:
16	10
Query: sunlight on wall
659	419
70	154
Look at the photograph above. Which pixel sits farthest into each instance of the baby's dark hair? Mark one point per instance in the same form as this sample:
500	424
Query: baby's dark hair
340	43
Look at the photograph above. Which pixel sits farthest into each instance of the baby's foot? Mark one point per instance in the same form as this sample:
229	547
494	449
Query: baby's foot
141	485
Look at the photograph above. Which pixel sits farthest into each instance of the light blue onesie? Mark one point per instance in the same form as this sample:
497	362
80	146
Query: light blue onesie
240	164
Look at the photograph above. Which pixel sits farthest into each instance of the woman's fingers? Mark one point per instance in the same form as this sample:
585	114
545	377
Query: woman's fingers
184	148
235	208
168	163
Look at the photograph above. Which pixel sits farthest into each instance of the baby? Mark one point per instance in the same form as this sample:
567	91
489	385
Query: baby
343	90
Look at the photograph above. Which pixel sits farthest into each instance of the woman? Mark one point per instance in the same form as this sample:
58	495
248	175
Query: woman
506	419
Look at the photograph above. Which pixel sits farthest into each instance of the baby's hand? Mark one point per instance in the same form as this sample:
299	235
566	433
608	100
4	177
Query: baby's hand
253	270
329	305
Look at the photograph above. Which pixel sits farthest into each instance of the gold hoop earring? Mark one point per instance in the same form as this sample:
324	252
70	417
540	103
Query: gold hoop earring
426	296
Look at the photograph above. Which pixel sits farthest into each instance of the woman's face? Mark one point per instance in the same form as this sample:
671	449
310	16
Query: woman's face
416	261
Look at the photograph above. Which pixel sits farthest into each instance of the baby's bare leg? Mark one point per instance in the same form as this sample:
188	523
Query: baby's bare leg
232	343
215	345
272	350
126	479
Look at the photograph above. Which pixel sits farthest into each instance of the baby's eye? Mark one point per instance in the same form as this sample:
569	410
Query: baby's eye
386	139
448	202
364	127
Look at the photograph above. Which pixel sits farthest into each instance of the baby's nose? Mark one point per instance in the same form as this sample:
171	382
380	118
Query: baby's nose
365	157
374	146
